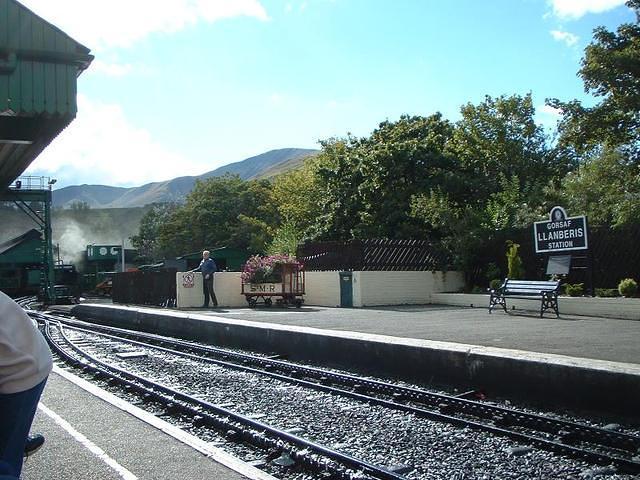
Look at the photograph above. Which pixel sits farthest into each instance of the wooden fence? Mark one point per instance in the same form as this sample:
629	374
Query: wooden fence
613	254
145	288
372	254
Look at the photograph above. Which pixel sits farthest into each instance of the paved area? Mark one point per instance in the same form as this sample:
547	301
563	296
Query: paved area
577	336
89	438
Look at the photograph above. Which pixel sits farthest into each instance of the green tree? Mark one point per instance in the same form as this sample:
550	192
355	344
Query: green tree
297	195
221	211
146	241
369	182
611	72
79	206
606	188
502	164
285	239
498	141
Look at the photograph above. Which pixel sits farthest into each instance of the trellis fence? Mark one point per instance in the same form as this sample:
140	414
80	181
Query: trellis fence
145	288
372	254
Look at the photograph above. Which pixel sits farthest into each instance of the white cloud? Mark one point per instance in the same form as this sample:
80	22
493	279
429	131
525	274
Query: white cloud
569	38
110	69
120	23
548	116
574	9
549	110
101	146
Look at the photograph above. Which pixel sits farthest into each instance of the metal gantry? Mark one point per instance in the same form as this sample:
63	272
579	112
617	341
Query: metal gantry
33	196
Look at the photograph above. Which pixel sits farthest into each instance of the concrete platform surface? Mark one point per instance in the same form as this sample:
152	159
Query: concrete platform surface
598	338
88	437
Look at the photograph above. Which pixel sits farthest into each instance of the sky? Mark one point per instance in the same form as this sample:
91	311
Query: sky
182	87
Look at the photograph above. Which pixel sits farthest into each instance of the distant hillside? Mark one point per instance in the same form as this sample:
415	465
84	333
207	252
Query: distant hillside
101	196
285	166
94	195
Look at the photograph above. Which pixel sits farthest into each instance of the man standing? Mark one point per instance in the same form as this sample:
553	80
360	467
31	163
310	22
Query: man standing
208	268
25	363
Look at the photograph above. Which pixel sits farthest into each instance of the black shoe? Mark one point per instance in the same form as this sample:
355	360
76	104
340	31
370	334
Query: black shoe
204	306
33	444
215	305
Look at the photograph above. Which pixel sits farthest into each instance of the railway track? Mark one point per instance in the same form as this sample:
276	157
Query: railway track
597	446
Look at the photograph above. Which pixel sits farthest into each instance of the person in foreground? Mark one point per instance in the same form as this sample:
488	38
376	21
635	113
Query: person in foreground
208	267
25	364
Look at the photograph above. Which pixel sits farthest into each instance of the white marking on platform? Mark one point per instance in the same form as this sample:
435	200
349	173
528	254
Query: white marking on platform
88	444
207	448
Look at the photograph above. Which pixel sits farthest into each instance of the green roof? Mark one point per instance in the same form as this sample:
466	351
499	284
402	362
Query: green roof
39	66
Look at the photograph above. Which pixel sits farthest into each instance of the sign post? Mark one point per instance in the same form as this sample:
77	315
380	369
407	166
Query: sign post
561	233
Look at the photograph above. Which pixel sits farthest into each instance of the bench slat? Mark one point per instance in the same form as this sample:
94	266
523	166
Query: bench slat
528	290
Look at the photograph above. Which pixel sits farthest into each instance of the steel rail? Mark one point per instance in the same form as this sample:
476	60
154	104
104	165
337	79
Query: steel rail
303	444
498	427
566	431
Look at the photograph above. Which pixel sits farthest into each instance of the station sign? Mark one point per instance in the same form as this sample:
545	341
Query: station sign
103	252
560	233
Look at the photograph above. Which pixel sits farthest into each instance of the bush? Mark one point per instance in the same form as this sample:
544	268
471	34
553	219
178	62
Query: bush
493	271
575	290
514	262
495	284
607	292
628	287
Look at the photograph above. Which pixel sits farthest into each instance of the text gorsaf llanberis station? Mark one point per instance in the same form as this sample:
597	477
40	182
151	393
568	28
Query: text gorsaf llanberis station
560	233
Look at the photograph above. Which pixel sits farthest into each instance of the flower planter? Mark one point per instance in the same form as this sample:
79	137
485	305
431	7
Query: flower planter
288	291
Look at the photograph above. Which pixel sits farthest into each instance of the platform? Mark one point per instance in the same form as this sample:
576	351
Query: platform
578	361
92	435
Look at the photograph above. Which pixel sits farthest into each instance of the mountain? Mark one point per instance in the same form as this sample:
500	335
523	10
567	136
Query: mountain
264	165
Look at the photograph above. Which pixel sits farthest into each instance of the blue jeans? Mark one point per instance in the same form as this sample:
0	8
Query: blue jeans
16	415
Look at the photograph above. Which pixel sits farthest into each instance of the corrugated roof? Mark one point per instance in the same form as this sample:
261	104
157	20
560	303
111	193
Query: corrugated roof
39	66
14	242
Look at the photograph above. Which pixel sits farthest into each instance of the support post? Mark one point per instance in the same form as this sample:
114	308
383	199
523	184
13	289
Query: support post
48	245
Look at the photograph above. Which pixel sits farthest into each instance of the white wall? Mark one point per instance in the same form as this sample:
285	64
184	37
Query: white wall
226	286
401	287
322	288
626	308
189	289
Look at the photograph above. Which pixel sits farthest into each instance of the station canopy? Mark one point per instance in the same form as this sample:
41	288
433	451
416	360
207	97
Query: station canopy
39	67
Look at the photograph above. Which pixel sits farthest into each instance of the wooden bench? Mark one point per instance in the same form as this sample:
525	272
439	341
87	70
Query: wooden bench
545	291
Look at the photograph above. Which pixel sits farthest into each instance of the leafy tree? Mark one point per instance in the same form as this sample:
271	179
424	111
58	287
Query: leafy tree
285	239
146	241
369	182
297	195
341	204
503	163
79	206
611	72
606	188
498	141
221	211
